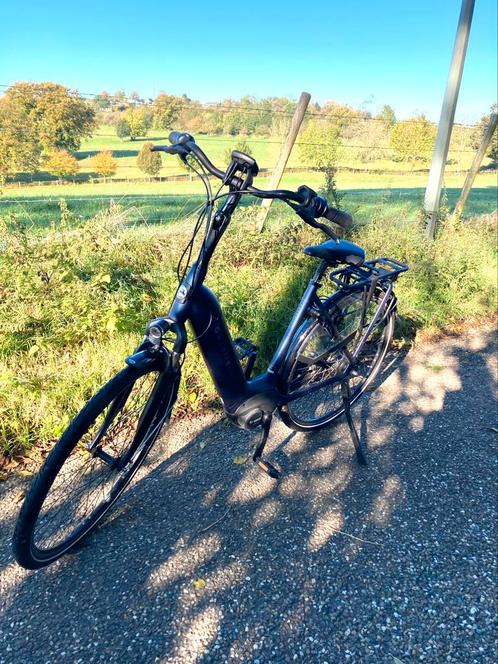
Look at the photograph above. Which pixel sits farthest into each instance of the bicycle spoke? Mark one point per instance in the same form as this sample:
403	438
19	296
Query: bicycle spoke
86	482
325	402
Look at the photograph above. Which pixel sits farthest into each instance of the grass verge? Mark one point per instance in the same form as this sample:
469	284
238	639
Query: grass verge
75	302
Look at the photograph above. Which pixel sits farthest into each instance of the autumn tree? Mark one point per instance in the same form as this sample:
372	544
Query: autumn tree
318	147
20	149
149	162
104	164
478	132
343	116
369	141
413	140
62	164
167	108
60	117
138	120
387	115
103	100
119	100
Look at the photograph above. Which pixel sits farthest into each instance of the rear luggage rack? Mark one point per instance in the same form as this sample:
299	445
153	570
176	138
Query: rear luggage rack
358	276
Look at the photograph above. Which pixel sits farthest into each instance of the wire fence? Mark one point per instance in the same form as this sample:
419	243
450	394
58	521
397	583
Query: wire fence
345	150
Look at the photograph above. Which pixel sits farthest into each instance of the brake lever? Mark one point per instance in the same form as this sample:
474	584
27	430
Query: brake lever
326	229
307	216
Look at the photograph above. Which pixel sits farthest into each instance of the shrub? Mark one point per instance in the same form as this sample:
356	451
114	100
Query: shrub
242	146
123	128
413	140
149	162
104	163
449	279
61	164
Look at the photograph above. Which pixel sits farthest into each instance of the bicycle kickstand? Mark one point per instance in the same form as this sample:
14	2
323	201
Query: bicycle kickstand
265	466
346	400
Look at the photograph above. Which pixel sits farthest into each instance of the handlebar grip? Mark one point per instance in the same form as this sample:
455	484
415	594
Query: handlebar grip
180	137
339	217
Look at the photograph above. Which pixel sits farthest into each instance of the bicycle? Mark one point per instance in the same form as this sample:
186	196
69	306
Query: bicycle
332	350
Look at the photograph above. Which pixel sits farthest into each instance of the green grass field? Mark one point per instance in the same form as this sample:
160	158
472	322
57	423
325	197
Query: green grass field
160	202
264	149
38	204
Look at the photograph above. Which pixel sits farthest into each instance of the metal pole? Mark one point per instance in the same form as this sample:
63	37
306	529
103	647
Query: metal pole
278	171
433	191
476	163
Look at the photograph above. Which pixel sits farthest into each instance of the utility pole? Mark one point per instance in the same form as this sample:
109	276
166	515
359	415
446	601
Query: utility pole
476	163
278	171
433	191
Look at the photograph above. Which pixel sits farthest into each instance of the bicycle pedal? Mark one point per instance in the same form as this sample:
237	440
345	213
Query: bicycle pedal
267	468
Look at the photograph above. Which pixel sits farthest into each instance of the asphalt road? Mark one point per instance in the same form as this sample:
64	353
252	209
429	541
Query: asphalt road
205	560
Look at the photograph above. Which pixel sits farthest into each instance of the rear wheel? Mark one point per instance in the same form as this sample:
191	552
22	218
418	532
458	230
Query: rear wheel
92	463
314	360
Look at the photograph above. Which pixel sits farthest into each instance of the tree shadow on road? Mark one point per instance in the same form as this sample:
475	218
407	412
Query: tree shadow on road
206	560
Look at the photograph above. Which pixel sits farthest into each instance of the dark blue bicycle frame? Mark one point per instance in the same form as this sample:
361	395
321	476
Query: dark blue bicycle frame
203	311
197	304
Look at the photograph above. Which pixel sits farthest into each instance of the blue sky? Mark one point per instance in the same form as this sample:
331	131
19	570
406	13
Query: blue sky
365	53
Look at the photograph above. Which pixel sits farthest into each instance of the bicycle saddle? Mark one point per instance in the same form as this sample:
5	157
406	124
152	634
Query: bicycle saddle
337	252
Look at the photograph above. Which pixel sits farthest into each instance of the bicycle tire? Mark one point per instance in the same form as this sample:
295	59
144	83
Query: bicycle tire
291	413
158	401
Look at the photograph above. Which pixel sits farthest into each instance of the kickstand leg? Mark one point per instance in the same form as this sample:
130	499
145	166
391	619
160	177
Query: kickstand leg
265	466
346	400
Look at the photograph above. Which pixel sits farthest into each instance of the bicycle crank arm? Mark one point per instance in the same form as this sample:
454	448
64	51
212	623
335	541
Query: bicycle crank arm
265	466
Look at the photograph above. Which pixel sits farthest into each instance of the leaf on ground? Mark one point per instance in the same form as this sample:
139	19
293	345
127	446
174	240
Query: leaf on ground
25	473
397	661
437	368
493	429
239	459
199	583
192	396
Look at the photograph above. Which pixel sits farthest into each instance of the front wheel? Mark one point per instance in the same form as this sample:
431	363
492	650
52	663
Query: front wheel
92	463
310	364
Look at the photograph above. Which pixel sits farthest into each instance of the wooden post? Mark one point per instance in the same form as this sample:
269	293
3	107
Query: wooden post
278	171
476	163
433	191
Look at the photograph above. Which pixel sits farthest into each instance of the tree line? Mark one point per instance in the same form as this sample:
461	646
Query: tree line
42	126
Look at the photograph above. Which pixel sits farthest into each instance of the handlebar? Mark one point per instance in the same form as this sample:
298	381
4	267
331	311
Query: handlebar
306	202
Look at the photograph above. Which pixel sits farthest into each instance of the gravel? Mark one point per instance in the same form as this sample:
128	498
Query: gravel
206	560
